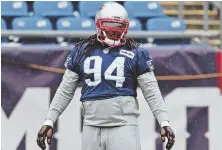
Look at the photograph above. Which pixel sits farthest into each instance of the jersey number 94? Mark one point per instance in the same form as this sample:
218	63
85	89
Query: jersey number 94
117	64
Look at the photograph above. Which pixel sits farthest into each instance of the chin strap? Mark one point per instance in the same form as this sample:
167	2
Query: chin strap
111	42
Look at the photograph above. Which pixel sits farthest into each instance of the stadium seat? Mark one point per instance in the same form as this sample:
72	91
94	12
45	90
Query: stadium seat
135	25
165	24
31	23
89	8
53	8
14	8
3	27
3	24
143	9
71	23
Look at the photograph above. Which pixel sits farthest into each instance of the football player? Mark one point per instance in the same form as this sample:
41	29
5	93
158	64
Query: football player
111	67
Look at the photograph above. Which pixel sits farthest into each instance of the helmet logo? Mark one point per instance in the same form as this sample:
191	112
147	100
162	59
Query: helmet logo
101	7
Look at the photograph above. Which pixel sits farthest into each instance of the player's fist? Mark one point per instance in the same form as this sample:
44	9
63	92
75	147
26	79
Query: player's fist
167	132
45	132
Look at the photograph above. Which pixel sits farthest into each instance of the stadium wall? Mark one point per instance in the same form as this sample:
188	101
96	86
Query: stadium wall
188	77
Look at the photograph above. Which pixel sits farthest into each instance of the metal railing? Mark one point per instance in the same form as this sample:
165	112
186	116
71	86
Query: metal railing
218	5
134	34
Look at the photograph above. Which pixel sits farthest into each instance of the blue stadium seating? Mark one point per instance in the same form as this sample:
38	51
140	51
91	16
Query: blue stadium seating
71	23
135	25
14	8
31	23
165	24
89	8
53	8
143	9
3	27
3	24
144	15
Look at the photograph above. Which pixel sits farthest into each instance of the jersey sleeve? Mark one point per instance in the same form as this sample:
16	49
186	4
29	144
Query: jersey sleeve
71	62
144	62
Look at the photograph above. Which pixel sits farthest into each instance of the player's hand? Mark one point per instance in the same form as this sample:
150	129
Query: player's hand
167	132
45	132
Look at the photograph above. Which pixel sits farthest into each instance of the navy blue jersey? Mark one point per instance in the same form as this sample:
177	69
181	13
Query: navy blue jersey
109	73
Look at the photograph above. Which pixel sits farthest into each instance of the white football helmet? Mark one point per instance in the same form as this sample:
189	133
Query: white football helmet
112	24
